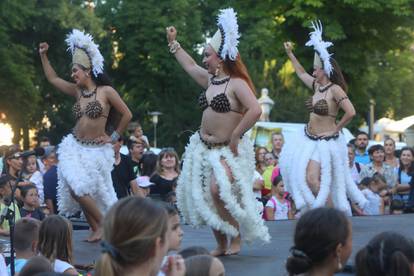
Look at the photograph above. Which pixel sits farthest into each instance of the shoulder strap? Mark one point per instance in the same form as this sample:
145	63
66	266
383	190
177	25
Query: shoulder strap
274	203
358	167
399	175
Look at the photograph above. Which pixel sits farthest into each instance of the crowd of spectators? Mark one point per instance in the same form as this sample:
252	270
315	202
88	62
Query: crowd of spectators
143	179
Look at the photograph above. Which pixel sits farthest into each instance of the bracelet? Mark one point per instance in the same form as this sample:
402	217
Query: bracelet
174	46
115	137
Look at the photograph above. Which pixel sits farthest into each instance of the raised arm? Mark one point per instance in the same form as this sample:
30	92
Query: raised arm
64	86
300	71
199	74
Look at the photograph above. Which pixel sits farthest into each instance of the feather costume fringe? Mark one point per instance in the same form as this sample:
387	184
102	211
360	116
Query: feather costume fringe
84	170
194	198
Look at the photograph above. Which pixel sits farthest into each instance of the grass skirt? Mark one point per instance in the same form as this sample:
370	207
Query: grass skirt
85	170
193	190
336	179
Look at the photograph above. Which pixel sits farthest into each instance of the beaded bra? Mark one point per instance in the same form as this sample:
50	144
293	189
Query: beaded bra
93	109
320	107
220	103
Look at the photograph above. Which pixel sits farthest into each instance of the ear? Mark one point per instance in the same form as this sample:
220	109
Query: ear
338	250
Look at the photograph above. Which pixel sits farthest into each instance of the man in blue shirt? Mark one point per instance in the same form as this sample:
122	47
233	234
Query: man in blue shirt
361	153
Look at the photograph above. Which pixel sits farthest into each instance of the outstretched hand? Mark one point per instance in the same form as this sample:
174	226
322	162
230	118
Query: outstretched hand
43	47
171	33
288	46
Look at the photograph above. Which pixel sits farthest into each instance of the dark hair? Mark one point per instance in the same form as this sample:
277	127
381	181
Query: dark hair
26	161
171	209
37	265
26	188
4	180
351	146
193	251
55	239
136	141
26	231
366	181
148	164
361	133
317	234
135	242
337	77
277	180
411	168
374	148
379	177
198	265
388	253
100	80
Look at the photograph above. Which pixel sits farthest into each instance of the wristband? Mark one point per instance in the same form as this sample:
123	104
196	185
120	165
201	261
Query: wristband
174	46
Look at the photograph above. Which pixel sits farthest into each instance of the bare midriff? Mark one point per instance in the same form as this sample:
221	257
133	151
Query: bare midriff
319	124
218	127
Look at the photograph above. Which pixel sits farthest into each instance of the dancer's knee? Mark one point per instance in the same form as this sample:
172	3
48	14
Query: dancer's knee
313	182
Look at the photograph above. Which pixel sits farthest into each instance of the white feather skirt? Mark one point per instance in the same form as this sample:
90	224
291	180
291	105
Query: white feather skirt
193	190
84	170
336	180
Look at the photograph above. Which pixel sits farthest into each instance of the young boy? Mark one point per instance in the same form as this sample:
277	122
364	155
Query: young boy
5	202
278	207
26	233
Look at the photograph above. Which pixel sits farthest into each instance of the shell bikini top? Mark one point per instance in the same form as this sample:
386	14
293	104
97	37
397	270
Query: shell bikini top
321	106
220	102
93	109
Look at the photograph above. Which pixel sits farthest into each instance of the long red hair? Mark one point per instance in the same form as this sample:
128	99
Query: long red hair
237	69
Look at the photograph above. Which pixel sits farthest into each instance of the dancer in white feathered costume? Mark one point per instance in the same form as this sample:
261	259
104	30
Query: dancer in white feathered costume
86	157
216	183
315	165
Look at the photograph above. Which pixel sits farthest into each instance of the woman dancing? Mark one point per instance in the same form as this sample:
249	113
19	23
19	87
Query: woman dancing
316	173
215	186
86	156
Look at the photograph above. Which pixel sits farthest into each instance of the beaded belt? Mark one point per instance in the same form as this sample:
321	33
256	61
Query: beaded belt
316	137
85	142
211	145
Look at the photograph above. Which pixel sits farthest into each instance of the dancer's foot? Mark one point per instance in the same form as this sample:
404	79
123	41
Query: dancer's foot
235	246
219	252
95	236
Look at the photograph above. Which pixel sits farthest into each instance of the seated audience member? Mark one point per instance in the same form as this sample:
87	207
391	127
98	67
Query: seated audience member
322	243
37	265
388	254
144	185
55	243
139	246
375	205
278	207
26	236
5	202
165	177
204	265
31	204
193	251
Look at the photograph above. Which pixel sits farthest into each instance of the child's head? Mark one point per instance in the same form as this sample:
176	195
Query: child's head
5	189
37	265
364	183
323	238
55	238
193	251
30	195
388	253
30	164
277	186
203	265
135	233
380	181
26	235
176	233
171	198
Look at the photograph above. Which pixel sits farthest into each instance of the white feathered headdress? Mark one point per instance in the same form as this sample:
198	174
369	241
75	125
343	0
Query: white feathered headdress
226	39
320	47
84	51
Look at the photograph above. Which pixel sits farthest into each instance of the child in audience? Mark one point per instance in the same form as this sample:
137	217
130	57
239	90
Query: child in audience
389	254
37	265
5	202
144	185
193	251
26	236
322	243
32	174
204	265
135	242
278	207
375	205
55	243
31	203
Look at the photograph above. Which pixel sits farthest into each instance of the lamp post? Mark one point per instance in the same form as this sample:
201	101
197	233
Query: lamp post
371	118
154	120
266	103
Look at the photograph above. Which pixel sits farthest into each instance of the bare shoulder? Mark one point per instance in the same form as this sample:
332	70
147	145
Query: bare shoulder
337	90
108	90
239	85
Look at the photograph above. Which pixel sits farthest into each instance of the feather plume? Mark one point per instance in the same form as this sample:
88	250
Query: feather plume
320	46
227	19
84	41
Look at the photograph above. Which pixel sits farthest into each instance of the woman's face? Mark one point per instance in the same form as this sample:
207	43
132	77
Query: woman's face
32	198
31	166
378	156
168	161
210	59
318	74
15	163
389	147
406	158
79	75
260	157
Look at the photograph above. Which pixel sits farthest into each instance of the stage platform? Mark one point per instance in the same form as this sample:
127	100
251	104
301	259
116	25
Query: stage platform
269	259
